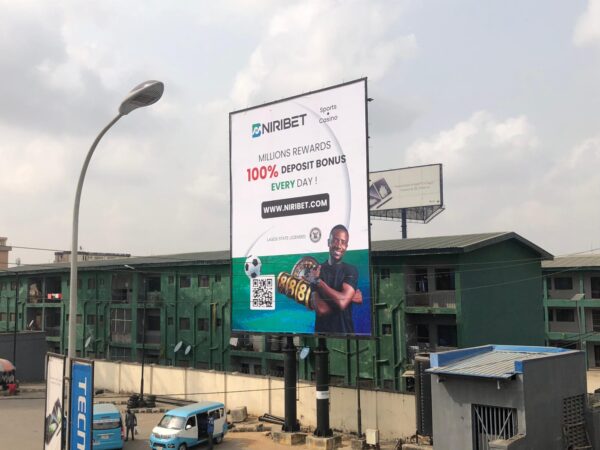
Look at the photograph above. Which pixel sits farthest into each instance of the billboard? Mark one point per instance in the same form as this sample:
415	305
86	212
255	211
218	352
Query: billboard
55	388
418	189
299	215
81	404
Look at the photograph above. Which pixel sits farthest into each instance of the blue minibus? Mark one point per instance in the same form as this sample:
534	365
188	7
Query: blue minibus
185	427
107	427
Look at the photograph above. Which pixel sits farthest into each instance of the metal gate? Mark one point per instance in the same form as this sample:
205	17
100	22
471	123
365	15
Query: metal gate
491	423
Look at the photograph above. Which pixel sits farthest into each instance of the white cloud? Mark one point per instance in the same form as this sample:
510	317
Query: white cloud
481	148
587	29
313	44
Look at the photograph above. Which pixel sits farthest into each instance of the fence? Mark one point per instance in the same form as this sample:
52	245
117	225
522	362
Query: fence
392	413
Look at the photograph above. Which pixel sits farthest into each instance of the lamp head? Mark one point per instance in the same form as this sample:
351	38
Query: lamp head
144	94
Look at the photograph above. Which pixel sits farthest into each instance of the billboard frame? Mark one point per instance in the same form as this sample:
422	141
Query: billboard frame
428	211
237	333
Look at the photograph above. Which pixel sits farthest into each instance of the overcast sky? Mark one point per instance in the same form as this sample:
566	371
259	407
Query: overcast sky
504	94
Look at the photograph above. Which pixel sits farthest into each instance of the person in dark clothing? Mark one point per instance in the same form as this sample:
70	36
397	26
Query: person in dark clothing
130	424
334	286
210	429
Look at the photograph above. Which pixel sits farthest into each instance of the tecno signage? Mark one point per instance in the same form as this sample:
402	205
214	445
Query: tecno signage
81	405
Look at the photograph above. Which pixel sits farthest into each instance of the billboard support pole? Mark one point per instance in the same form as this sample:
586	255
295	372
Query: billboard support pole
404	223
322	369
289	372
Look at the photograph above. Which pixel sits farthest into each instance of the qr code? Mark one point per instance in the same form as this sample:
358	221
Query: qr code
262	292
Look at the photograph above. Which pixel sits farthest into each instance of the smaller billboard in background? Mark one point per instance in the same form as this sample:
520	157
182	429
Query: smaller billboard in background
55	388
409	187
81	404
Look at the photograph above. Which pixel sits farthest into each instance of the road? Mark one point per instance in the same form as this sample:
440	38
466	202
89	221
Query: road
22	422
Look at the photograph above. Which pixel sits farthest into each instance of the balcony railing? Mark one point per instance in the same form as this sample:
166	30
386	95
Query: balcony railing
439	299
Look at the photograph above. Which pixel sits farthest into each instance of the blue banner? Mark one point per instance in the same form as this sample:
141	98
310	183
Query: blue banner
81	410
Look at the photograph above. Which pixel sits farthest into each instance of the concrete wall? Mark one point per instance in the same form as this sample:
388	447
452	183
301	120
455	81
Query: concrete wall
547	382
31	354
452	400
392	413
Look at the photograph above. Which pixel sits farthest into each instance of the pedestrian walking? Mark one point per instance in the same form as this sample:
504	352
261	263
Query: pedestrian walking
210	428
130	424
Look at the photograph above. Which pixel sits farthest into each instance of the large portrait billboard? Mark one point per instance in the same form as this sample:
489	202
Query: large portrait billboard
299	215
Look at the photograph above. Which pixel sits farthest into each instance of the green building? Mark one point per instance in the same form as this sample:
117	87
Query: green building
428	293
572	304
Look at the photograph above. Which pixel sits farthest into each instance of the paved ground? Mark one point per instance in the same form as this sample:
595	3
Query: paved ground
22	422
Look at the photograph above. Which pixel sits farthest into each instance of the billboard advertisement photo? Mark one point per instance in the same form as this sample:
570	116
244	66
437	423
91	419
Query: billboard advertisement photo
53	419
300	215
81	404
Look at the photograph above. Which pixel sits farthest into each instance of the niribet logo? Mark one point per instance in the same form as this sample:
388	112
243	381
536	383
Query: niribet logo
258	129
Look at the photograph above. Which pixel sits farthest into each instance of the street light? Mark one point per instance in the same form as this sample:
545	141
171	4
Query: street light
144	94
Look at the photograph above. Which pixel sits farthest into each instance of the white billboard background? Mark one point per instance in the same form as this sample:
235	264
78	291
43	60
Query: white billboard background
409	187
55	379
333	128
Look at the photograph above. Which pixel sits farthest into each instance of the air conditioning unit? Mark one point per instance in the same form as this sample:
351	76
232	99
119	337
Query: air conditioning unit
372	436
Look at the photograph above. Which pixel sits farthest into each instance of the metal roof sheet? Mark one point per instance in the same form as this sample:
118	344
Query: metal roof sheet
497	362
451	244
573	262
394	247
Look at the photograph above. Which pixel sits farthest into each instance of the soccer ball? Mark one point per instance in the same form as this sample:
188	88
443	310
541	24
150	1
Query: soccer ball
252	266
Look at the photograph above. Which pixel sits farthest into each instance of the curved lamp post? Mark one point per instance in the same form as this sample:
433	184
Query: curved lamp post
144	94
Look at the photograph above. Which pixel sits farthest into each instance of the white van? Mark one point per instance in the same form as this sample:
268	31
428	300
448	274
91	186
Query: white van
185	427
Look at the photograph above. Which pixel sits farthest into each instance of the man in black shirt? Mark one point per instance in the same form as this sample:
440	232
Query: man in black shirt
335	287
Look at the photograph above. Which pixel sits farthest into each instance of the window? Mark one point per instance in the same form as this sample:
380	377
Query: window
444	279
91	319
169	321
421	284
563	283
386	328
564	315
153	323
79	319
184	323
423	333
202	324
447	336
595	284
185	281
2	317
171	279
120	321
101	281
218	278
203	281
2	286
191	422
91	283
491	423
385	273
596	320
12	317
13	285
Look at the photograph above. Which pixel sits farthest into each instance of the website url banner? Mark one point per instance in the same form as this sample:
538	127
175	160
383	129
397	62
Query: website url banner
295	206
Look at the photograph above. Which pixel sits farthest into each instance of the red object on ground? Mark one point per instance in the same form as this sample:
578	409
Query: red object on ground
12	389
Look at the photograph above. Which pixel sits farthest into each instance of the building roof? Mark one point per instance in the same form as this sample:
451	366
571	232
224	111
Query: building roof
573	262
133	262
395	247
489	361
451	244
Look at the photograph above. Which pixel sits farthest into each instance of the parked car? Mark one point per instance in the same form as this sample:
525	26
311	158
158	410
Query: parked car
186	426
